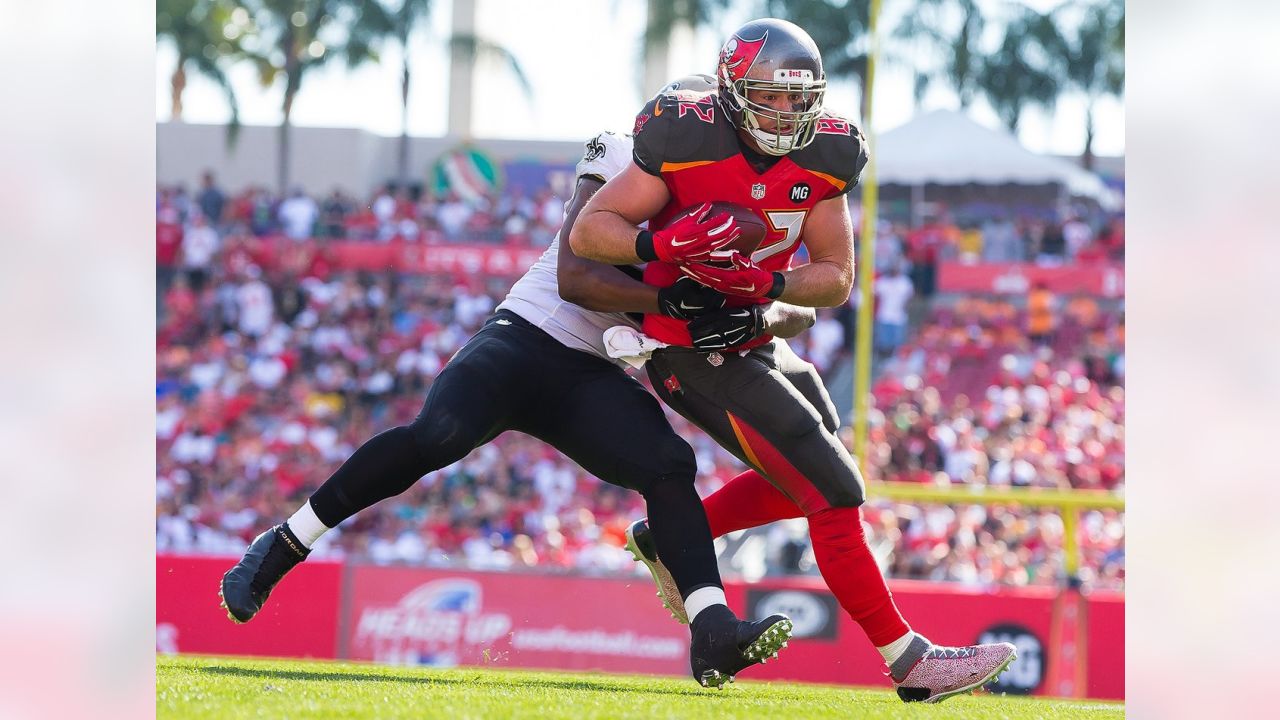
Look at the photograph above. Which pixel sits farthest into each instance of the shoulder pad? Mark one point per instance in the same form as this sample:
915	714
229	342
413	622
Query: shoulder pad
604	156
838	152
681	127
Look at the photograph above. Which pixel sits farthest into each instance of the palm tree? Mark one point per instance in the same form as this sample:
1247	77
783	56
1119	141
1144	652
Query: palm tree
299	36
931	23
402	20
1091	57
841	30
664	16
1021	71
203	32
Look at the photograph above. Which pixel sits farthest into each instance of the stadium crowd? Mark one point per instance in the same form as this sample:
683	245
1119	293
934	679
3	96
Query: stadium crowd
514	217
269	375
969	234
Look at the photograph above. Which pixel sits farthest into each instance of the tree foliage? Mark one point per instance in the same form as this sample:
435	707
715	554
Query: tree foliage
206	36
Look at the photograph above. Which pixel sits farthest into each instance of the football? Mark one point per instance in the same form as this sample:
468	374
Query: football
753	228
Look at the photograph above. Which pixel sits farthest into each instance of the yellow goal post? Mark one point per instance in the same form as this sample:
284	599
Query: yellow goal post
1070	502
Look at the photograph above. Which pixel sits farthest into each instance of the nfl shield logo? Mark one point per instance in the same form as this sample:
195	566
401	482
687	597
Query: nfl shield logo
757	191
716	359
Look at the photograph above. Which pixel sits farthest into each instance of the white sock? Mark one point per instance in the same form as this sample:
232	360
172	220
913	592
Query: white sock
894	650
703	598
306	525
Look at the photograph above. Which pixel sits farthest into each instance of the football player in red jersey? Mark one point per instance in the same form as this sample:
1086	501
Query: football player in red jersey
763	139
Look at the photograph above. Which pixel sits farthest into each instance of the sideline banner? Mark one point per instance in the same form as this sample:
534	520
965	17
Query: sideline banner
300	619
397	256
1100	279
443	618
832	648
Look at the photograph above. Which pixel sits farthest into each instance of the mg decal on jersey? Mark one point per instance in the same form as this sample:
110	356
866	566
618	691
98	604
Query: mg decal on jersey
832	126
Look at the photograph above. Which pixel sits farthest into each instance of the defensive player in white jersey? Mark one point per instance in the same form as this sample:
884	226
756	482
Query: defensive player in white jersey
539	366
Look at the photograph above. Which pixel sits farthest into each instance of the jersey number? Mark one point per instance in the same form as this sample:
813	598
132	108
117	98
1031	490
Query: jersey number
705	113
789	222
832	126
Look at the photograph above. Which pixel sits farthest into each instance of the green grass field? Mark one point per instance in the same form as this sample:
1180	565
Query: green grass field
205	687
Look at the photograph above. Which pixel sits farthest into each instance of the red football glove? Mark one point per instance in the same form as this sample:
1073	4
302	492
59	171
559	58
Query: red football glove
691	238
744	279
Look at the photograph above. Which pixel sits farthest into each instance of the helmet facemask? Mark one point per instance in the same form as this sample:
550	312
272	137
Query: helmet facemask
800	123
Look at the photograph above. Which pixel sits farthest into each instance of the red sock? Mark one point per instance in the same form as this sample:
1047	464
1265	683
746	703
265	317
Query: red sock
747	501
851	572
839	546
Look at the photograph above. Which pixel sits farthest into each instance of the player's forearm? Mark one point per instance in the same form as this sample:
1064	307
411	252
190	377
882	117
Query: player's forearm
787	321
605	289
818	284
604	236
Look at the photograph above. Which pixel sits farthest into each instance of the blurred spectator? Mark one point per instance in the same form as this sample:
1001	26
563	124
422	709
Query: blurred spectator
199	243
298	214
1041	314
925	245
181	202
453	215
255	306
212	200
1076	234
262	217
969	244
333	215
825	340
893	292
1053	246
1000	241
168	241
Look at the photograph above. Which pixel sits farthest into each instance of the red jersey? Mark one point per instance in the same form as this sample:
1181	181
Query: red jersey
689	140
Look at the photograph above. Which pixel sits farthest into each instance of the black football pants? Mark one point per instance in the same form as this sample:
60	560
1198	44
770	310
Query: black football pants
513	376
770	409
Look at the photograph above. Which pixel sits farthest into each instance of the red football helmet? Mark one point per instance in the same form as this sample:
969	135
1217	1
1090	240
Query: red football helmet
776	55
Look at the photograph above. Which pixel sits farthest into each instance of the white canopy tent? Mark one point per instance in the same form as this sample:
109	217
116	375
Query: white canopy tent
948	148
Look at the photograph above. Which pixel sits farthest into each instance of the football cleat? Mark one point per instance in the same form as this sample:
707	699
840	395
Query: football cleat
723	646
245	587
640	543
941	672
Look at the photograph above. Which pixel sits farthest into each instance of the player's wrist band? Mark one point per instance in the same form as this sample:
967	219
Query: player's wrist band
644	246
779	283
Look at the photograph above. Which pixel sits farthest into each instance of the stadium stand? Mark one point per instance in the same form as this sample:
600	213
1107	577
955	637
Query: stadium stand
270	373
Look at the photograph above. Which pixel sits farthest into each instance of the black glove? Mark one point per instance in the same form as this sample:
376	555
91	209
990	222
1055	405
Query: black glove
727	328
686	299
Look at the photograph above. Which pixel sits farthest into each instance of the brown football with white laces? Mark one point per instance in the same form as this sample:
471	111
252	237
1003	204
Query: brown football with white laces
753	227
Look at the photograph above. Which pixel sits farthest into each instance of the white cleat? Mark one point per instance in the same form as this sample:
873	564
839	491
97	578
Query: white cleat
640	544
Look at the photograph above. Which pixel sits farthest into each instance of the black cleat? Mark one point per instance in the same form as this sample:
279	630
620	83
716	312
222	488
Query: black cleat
722	645
246	586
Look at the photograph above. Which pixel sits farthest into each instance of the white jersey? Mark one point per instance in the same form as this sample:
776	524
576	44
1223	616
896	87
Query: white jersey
536	295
